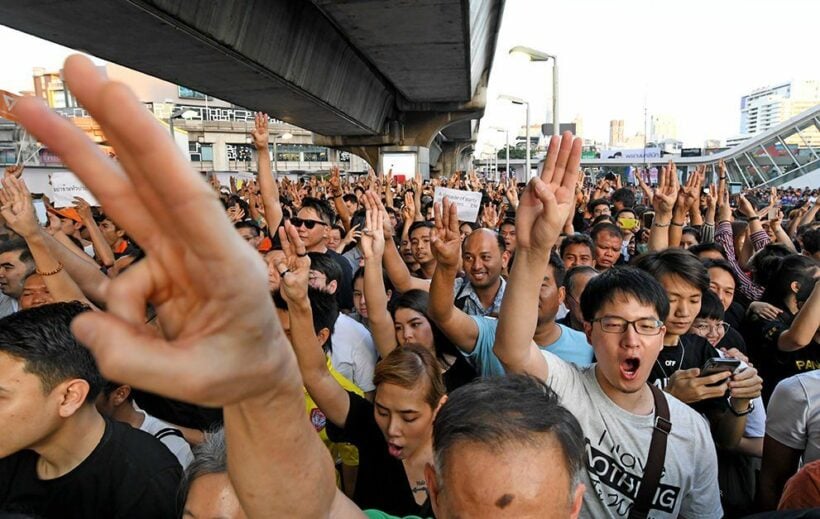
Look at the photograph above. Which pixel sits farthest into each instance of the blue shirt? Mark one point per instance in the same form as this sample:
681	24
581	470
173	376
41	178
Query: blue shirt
571	346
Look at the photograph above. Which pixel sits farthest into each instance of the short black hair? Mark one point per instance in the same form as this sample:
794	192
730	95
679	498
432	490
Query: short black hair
228	202
794	268
514	410
418	225
627	281
720	264
625	210
388	286
694	231
507	221
595	203
625	196
577	238
811	240
707	247
321	207
248	224
711	307
763	262
323	306
575	271
678	262
605	227
499	240
322	262
350	197
18	245
558	269
41	337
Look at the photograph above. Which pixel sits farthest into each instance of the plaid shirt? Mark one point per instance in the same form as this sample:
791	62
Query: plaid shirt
467	300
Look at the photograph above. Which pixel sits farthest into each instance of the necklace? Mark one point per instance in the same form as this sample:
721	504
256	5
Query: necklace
666	375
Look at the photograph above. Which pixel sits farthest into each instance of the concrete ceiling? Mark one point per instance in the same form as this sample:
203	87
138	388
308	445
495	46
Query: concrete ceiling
335	67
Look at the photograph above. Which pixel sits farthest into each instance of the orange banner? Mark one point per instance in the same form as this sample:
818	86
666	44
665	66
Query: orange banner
7	102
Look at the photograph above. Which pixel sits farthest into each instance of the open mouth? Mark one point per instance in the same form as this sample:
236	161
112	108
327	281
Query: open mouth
394	450
629	368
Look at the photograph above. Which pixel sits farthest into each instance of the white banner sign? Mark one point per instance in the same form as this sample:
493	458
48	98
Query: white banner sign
66	186
468	202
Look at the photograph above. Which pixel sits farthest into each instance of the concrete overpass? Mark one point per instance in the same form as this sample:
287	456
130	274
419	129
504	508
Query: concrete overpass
360	73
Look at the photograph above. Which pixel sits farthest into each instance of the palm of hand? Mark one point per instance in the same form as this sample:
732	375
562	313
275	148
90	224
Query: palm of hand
447	246
537	227
295	280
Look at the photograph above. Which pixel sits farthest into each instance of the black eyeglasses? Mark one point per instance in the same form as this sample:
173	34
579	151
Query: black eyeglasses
646	326
309	224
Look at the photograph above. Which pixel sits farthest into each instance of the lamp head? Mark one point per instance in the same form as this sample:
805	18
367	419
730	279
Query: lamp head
531	54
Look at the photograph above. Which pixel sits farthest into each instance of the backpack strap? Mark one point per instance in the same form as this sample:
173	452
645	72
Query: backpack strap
168	431
654	461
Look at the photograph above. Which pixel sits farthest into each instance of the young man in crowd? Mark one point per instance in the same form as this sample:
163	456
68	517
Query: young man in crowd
575	281
313	221
507	232
352	351
624	311
16	264
58	456
577	249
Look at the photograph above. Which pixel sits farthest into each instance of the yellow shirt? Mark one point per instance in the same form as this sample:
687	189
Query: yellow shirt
348	454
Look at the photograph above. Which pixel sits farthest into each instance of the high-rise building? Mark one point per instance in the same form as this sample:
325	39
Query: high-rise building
663	127
579	125
616	132
767	107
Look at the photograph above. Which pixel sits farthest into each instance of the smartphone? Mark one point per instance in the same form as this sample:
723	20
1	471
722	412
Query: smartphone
648	218
719	365
628	224
40	210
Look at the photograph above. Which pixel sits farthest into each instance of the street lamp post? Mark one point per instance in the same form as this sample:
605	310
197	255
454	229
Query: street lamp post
507	147
536	55
519	101
285	136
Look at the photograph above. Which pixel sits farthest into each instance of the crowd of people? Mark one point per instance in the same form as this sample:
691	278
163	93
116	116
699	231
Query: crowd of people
343	346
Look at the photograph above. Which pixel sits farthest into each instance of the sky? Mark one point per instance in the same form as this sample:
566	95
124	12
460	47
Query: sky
691	60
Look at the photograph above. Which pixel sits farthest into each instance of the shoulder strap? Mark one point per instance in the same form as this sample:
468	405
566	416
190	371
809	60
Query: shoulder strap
168	431
654	461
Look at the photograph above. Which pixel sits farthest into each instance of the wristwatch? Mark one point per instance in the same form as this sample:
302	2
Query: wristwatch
740	413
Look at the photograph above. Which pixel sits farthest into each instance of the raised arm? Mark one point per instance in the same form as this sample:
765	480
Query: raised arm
542	211
294	270
397	270
102	249
804	328
19	214
268	188
338	201
375	294
688	197
221	343
663	202
446	247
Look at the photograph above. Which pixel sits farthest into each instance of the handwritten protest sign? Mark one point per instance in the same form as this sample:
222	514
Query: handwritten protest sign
7	101
66	186
467	202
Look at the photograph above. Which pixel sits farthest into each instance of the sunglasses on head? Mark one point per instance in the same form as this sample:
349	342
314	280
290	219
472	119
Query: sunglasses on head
309	224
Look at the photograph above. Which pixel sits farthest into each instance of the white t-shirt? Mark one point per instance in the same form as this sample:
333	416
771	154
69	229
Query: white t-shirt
617	445
353	353
794	414
175	443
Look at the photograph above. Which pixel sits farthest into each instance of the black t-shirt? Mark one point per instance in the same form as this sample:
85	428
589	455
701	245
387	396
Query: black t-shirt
344	292
735	315
129	474
774	365
381	483
692	352
733	339
178	413
459	374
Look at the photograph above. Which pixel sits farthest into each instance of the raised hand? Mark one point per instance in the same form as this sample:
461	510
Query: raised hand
663	199
372	238
16	207
260	134
83	208
690	193
408	211
221	342
15	170
512	195
445	240
745	207
294	268
547	201
490	216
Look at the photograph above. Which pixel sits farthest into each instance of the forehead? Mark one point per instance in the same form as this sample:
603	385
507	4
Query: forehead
13	374
404	315
34	281
11	256
607	238
720	277
420	232
308	212
512	480
481	241
627	306
577	248
626	214
675	284
393	396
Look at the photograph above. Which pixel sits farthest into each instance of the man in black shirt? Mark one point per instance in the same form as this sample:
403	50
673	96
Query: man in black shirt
58	456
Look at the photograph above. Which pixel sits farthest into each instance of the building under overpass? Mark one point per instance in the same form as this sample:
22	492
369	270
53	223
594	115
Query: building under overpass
363	75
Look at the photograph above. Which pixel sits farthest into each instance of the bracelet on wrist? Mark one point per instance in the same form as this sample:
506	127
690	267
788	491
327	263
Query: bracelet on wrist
746	411
658	224
51	272
676	224
753	218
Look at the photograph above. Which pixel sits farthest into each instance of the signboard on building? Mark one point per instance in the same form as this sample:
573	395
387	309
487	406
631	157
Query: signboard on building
633	153
691	152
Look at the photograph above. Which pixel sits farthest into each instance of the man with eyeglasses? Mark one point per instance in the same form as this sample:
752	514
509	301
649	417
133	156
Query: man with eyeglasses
623	310
313	223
